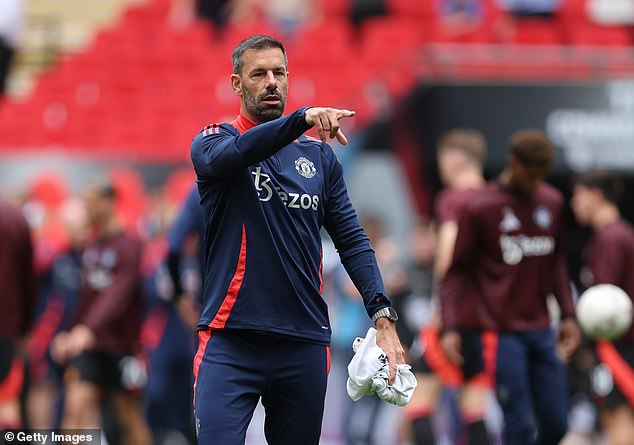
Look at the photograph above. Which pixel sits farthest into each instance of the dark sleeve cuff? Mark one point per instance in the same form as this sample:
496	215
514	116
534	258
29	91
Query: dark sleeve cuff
301	114
568	314
378	302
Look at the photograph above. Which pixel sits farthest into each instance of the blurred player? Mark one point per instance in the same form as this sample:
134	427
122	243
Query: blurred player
266	190
17	281
461	153
187	225
59	290
509	258
608	259
173	295
103	339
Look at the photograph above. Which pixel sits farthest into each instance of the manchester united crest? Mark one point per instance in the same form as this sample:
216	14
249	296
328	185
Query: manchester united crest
305	167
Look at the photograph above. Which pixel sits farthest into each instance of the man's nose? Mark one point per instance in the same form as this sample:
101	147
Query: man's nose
270	79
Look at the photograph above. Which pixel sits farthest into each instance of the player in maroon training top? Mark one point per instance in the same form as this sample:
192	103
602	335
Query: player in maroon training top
509	258
17	299
101	344
460	155
608	258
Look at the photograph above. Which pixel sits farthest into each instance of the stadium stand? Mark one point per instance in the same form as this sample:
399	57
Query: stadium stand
121	93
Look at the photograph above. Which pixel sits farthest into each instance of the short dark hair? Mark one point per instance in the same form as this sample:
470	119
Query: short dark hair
257	41
532	148
469	141
609	184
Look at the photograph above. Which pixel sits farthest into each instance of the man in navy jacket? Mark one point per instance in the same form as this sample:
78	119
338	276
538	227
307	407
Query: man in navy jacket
266	191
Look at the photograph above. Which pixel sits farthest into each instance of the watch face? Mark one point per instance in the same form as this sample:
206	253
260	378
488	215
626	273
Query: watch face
392	314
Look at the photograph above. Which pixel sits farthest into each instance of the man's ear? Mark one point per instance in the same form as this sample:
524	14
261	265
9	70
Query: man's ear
236	84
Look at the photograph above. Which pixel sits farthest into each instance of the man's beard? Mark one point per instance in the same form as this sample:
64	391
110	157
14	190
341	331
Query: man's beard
261	111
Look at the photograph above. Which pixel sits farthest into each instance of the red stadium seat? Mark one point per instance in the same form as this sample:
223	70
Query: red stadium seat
572	10
537	32
425	10
328	42
198	35
441	33
334	7
382	38
589	34
20	125
232	34
153	13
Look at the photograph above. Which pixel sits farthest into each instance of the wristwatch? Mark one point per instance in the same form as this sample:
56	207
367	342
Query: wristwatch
386	312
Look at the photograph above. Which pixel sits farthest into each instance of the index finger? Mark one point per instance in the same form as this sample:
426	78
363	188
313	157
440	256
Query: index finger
345	113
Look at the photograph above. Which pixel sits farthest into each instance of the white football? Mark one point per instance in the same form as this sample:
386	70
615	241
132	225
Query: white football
604	311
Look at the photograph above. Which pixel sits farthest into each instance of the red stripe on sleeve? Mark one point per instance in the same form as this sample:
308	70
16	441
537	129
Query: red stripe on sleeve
490	340
622	373
11	386
220	320
45	329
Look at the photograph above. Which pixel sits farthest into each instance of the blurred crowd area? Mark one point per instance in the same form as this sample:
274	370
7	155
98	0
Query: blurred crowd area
167	344
162	376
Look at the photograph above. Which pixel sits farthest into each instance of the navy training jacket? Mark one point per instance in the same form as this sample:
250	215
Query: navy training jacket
266	190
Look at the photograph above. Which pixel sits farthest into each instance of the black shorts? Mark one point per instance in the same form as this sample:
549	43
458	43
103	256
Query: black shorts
606	386
109	371
11	371
7	355
434	361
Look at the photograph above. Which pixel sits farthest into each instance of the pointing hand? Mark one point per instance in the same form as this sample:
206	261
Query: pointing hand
327	122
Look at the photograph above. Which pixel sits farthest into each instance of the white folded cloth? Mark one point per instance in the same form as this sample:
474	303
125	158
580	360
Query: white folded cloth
369	370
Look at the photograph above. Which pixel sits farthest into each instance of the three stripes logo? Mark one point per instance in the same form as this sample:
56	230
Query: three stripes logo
211	129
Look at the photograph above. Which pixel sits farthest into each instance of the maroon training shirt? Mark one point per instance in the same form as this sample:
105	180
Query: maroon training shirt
17	276
509	256
609	257
449	204
111	300
450	201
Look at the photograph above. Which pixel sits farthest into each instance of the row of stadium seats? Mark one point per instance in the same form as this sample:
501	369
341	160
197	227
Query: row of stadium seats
570	25
394	29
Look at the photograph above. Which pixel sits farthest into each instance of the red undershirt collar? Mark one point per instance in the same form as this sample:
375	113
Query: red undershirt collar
242	123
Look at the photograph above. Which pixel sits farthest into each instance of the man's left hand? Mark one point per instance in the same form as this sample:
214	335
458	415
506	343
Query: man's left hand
387	339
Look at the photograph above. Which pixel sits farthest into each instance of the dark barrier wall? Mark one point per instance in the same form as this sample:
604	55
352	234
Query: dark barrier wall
592	124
